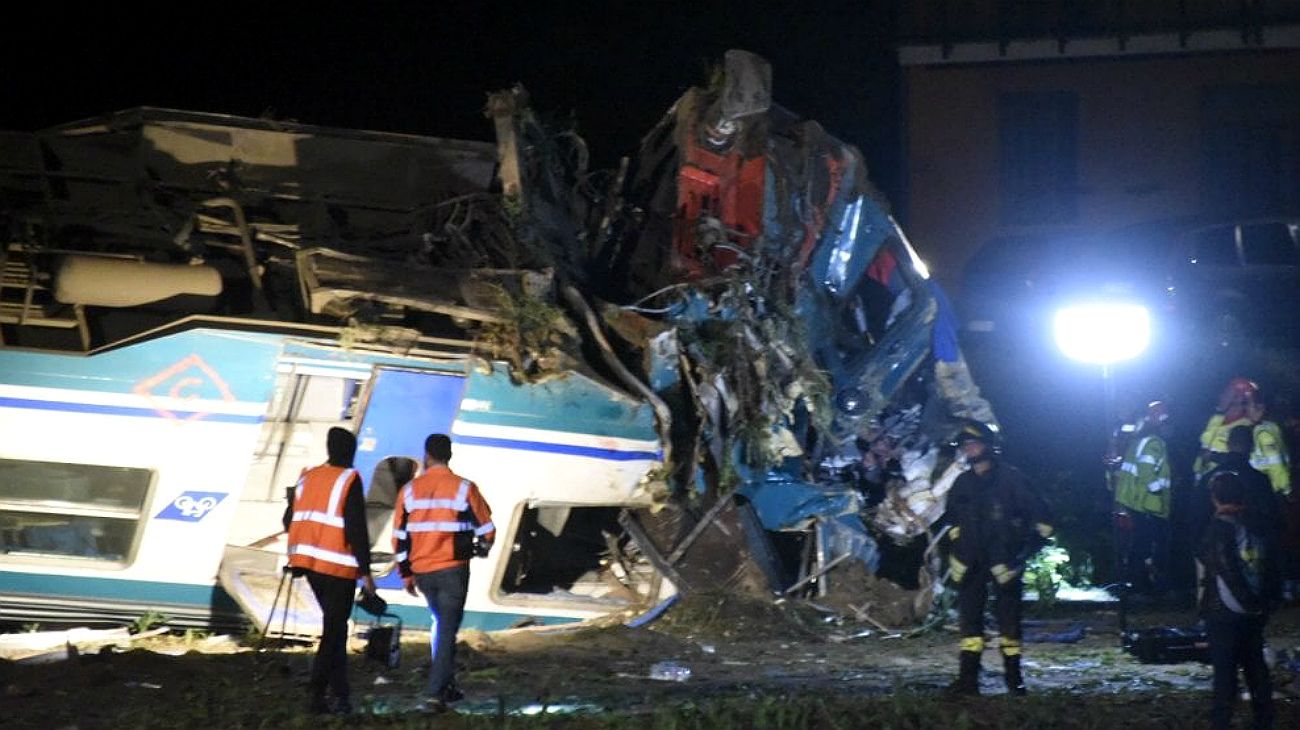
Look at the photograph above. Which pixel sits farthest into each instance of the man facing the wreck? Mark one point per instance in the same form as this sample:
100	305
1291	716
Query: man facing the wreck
330	544
997	524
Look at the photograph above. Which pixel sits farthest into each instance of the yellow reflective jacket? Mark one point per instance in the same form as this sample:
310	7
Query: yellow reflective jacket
1215	439
1270	456
1143	480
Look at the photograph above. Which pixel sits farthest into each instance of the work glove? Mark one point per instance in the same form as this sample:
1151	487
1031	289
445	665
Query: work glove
956	569
1002	574
1123	521
481	547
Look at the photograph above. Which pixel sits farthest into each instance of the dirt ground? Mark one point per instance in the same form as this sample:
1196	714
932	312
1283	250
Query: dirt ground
741	654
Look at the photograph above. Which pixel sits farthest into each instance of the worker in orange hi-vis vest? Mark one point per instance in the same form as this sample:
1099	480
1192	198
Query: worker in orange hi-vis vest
439	523
329	543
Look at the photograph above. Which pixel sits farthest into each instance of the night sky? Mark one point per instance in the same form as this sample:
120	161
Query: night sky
425	68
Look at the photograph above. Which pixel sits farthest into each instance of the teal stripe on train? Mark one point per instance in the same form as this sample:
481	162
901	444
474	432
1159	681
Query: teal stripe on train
572	403
157	596
153	595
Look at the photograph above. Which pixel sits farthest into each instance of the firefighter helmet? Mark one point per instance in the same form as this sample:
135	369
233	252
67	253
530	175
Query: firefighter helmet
986	433
1157	414
1239	393
1242	387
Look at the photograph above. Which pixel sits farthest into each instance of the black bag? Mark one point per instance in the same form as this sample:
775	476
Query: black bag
1168	645
384	642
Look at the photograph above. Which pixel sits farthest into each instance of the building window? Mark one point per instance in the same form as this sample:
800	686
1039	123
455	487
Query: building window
1250	150
86	511
1038	134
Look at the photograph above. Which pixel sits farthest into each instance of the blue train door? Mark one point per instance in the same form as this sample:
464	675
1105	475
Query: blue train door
403	407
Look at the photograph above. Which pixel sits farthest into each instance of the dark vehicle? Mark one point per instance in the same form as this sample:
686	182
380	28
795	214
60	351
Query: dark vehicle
1013	287
1238	276
1218	277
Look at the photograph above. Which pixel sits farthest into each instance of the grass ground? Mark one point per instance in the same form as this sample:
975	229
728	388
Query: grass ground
750	668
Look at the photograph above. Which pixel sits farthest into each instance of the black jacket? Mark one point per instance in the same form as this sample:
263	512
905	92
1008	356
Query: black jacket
1241	571
1264	515
999	515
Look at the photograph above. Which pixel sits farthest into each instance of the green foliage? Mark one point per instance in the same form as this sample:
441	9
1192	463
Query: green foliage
1043	572
1053	568
530	334
1081	509
149	620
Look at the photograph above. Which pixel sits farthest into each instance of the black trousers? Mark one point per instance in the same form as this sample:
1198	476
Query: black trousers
330	668
1239	643
973	593
1148	541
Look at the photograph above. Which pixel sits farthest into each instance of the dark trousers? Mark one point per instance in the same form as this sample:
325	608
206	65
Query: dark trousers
1239	643
1146	553
331	665
973	593
445	591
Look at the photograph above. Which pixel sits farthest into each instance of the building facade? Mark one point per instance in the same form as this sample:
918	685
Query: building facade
1034	119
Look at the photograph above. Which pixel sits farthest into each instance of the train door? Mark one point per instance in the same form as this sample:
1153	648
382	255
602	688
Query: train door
401	409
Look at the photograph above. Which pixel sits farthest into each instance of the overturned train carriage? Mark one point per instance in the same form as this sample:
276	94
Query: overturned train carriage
721	364
191	301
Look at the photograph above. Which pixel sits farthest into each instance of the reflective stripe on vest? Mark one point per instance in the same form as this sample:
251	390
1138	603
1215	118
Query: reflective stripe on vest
459	503
323	554
440	522
317	538
333	516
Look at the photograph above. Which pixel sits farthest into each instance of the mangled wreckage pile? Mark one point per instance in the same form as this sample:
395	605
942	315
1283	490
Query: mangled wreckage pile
738	278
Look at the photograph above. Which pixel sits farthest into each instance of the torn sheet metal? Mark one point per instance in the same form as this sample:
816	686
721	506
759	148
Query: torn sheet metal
820	361
784	503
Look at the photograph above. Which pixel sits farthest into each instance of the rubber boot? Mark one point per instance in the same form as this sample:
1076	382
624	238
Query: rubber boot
968	677
1015	680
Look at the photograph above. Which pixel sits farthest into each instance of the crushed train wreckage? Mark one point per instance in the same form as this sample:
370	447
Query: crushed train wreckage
737	284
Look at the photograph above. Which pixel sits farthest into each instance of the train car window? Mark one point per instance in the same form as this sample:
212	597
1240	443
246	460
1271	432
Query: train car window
575	554
87	511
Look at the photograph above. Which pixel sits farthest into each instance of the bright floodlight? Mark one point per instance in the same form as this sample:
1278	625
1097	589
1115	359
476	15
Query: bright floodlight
1103	332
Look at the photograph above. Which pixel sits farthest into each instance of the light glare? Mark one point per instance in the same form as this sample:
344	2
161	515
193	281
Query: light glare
1103	332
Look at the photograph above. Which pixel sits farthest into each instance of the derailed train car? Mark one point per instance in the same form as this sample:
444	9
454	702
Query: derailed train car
720	365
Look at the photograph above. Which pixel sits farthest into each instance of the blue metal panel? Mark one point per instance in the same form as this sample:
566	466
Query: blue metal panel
404	407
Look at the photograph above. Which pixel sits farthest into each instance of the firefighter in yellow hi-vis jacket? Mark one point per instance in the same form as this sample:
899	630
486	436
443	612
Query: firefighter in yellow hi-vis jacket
1230	411
1269	454
1143	495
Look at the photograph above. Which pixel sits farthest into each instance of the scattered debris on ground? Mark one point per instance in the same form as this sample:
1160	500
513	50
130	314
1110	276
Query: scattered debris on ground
744	661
